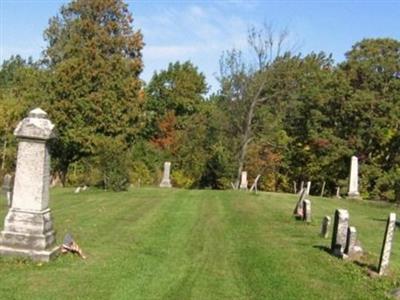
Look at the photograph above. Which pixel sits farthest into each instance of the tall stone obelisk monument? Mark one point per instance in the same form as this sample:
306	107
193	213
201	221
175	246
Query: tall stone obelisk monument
28	228
353	182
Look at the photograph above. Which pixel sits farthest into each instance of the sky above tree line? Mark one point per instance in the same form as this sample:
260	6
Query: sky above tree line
201	30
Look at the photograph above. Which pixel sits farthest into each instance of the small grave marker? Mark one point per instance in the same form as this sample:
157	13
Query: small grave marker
387	244
326	222
166	181
339	236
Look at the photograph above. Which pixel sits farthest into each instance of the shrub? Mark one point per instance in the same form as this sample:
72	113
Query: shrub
113	162
182	180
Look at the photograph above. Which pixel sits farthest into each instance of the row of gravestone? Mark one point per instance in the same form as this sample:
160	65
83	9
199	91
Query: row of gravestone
344	242
353	185
353	182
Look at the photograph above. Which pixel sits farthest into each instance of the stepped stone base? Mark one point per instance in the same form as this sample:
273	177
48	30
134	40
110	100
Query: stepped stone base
166	184
35	255
29	234
354	195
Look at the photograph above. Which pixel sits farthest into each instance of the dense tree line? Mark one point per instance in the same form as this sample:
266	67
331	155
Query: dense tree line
289	117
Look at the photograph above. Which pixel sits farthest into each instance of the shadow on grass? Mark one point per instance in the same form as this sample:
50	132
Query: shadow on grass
323	248
379	220
371	268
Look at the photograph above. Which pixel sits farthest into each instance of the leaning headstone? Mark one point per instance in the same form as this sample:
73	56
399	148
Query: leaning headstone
308	187
307	210
326	222
387	244
298	210
7	188
77	190
84	188
254	186
28	227
243	181
323	189
353	182
339	236
166	181
338	192
350	249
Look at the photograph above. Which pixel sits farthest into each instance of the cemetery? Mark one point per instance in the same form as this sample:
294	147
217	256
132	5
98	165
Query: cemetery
171	243
279	181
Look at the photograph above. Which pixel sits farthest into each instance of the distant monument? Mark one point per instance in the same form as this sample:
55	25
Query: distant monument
353	182
243	182
28	228
166	181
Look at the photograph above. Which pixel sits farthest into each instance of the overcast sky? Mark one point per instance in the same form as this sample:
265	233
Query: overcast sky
201	30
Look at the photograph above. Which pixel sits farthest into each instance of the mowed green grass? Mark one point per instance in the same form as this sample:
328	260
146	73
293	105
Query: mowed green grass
155	243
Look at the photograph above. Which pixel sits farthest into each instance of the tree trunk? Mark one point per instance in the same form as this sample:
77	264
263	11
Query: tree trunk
247	134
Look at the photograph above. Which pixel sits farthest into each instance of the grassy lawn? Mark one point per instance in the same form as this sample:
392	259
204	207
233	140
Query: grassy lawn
154	243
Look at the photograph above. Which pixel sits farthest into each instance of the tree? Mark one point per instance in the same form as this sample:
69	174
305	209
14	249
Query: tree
369	119
20	91
94	57
177	122
179	89
244	85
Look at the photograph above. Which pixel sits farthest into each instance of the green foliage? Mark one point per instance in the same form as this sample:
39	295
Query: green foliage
290	118
20	89
113	163
140	174
95	60
181	179
179	89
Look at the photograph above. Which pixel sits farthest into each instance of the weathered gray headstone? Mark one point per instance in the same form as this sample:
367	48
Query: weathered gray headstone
166	181
307	210
28	227
387	244
326	222
298	210
7	188
243	181
353	182
339	236
350	249
308	187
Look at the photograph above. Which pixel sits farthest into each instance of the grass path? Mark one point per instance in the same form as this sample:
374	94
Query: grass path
178	244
